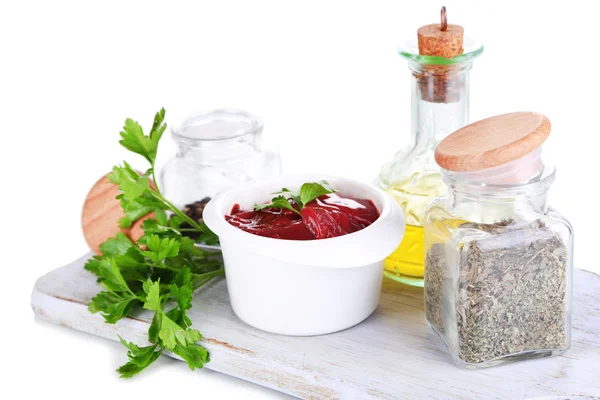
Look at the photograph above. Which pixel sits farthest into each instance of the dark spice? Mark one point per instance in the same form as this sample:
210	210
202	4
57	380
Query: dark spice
194	211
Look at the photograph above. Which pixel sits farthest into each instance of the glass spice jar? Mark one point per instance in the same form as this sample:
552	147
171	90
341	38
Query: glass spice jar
217	150
498	265
440	105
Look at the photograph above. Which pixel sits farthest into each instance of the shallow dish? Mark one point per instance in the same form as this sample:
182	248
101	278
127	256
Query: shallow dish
304	287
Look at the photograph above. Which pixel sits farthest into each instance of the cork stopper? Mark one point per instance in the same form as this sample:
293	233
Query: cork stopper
440	83
442	40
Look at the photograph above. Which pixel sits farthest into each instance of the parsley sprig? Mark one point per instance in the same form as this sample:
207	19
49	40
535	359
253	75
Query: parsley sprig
162	270
308	192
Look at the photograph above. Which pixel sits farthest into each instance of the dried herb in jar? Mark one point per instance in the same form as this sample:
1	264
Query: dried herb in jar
510	291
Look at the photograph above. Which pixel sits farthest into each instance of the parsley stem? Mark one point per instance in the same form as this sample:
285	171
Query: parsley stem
200	284
205	275
204	278
184	217
177	211
155	181
164	266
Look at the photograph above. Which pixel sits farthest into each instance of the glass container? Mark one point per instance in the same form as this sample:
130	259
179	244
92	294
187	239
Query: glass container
216	150
498	269
439	106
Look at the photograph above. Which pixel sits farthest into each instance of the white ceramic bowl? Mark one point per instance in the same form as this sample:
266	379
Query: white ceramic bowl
304	287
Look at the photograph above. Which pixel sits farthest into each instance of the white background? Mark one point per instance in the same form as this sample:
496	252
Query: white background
323	75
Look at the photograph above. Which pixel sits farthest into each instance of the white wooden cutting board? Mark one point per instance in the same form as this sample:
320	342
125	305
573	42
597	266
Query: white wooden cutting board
392	355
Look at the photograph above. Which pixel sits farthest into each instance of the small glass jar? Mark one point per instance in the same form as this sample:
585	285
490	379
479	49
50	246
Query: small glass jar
439	106
217	150
498	265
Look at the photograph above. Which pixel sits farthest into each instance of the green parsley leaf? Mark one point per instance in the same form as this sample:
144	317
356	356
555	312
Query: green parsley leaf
131	259
181	291
120	244
161	218
111	278
133	267
195	355
308	192
130	182
158	128
197	259
155	328
292	195
192	335
184	278
135	140
277	202
176	315
112	306
171	333
93	265
207	236
137	208
182	295
133	137
139	358
163	264
161	249
175	222
153	226
189	250
313	190
153	297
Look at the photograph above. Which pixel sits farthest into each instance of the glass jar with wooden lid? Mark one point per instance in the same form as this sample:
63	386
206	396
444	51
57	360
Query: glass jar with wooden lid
498	264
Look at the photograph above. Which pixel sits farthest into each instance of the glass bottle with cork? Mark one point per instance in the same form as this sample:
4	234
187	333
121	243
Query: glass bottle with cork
439	61
498	268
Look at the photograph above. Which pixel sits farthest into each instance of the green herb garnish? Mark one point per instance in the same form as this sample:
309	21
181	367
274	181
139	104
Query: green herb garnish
164	265
308	192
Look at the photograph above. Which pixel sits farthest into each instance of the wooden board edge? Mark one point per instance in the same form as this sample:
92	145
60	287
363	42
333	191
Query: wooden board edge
228	358
225	357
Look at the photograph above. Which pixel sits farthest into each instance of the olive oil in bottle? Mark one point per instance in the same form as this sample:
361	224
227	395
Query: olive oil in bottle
413	195
439	61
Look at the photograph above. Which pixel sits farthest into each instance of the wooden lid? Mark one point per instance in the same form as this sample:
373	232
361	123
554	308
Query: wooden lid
101	214
492	141
442	40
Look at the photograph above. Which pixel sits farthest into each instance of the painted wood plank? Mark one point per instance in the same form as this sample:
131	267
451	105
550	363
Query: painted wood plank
391	355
